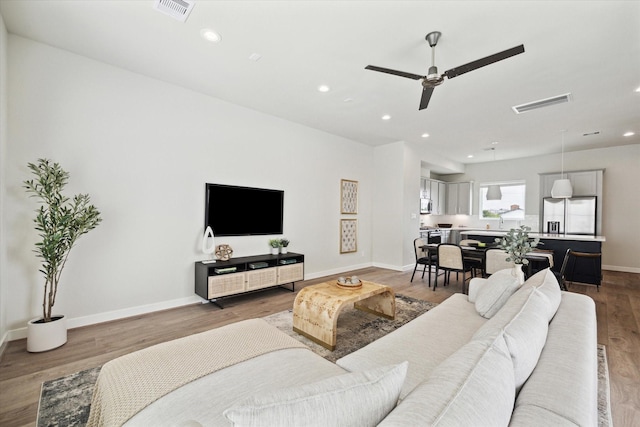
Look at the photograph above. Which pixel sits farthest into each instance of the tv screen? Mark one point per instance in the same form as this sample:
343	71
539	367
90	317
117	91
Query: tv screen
243	211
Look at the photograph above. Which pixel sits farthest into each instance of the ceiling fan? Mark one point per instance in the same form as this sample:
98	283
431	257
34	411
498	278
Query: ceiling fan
432	79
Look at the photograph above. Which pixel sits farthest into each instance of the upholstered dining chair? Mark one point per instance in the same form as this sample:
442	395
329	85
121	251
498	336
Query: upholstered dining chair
450	259
496	259
476	260
570	255
423	258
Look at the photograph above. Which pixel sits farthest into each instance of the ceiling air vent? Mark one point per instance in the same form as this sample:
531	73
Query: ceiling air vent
177	9
523	108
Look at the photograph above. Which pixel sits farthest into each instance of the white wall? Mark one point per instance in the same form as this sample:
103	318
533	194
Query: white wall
3	143
388	205
143	150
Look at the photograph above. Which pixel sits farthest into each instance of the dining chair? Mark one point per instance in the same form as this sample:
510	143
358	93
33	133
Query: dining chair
597	272
422	258
495	259
476	259
449	258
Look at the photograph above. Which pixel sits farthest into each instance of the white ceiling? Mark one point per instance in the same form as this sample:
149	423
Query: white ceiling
590	49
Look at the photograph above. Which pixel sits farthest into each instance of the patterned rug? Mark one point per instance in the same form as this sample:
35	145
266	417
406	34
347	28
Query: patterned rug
65	402
355	328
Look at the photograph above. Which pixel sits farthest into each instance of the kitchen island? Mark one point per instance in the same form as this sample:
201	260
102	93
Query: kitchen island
578	270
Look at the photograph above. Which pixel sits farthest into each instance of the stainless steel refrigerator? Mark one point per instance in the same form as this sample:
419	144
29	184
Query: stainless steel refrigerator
576	215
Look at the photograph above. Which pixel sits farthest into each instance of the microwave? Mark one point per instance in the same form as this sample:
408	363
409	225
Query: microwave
425	206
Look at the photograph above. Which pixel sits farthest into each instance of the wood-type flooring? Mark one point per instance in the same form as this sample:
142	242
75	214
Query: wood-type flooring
22	373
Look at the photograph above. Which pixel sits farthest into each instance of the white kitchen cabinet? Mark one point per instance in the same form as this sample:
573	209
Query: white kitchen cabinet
436	191
459	198
584	183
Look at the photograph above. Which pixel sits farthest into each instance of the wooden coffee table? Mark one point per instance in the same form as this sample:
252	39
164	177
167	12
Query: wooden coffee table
316	308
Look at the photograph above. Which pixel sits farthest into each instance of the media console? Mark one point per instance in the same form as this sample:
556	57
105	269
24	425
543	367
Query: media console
240	275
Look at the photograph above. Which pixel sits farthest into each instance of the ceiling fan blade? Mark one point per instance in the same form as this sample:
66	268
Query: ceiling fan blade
484	61
394	72
426	96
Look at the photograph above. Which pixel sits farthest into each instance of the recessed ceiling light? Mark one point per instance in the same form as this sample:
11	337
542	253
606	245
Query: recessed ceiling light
425	135
629	134
323	88
638	89
210	35
386	117
495	143
470	156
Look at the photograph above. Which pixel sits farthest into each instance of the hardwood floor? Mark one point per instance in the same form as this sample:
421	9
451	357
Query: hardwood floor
22	373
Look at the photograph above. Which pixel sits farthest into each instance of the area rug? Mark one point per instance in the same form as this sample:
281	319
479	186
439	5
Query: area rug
355	328
65	402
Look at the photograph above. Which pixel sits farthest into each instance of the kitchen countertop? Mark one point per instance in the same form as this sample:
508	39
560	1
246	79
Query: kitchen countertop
498	233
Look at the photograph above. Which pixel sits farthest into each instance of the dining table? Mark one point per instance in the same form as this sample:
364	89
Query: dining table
538	259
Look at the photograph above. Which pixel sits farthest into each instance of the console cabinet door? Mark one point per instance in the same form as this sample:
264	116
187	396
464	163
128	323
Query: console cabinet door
290	273
225	284
262	278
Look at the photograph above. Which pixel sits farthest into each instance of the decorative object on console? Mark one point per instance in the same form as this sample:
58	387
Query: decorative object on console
517	244
60	222
348	197
224	252
208	244
284	244
275	246
348	235
562	187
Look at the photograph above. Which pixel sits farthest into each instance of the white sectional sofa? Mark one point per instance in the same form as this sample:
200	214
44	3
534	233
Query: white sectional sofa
531	361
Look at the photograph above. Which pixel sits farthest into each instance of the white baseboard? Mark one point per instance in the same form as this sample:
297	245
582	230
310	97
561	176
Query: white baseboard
622	269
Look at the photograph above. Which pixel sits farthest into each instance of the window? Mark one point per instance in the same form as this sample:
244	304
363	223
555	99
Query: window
511	206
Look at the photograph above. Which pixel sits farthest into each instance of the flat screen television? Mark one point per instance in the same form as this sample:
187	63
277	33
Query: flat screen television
243	211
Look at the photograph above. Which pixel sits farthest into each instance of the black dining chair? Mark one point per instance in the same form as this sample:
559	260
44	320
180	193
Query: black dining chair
569	261
449	258
423	257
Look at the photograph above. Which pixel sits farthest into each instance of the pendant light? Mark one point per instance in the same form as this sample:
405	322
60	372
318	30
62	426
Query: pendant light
493	191
562	187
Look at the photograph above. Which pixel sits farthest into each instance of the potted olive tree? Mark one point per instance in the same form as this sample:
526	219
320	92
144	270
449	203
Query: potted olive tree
60	221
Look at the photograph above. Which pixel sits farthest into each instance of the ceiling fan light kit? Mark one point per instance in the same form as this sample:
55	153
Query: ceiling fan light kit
433	79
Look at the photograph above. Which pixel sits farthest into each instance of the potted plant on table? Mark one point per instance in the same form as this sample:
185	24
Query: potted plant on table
517	244
284	244
275	246
60	221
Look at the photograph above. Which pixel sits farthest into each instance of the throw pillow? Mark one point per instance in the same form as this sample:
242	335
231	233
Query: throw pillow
495	292
354	399
473	387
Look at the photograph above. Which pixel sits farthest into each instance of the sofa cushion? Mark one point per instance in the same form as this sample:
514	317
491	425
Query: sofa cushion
562	390
424	342
354	399
473	387
495	292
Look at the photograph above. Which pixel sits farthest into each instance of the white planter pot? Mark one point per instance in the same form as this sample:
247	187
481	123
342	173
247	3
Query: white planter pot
275	251
518	272
46	335
283	250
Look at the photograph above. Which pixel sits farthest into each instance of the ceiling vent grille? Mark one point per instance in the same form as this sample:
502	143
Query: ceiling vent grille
523	108
177	9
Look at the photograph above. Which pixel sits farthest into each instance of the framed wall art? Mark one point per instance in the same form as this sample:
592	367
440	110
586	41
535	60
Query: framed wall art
348	235
348	196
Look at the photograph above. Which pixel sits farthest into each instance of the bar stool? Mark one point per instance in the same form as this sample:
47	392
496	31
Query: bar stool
595	257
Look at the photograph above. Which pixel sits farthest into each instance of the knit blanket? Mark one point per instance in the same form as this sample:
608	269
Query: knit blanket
130	383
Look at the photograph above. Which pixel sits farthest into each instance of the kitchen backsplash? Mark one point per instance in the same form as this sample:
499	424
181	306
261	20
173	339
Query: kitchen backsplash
472	221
